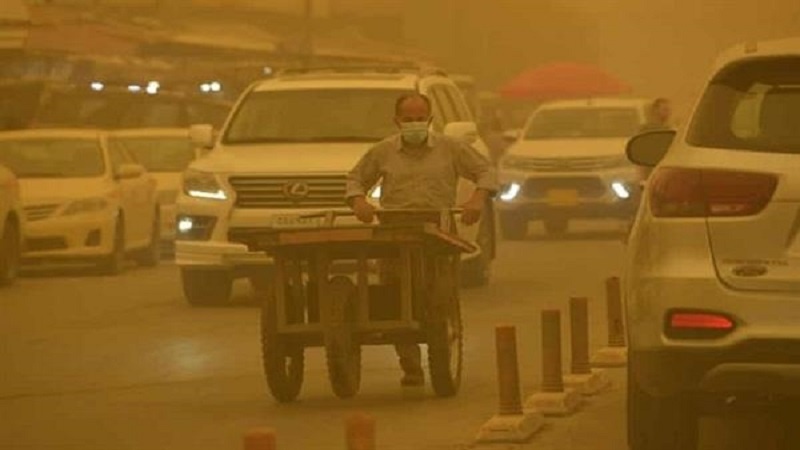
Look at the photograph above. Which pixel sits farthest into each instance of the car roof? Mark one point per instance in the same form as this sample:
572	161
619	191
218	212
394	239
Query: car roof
150	132
759	49
61	133
398	81
597	103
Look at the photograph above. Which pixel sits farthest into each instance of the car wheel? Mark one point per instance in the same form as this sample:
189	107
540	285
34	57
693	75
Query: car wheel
556	226
9	253
477	271
150	256
206	287
660	423
513	226
114	263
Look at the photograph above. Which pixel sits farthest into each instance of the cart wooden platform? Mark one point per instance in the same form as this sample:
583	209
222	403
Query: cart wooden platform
414	300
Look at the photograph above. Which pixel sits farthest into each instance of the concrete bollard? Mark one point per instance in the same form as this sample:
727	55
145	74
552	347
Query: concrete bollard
582	378
360	432
553	399
512	423
616	354
260	439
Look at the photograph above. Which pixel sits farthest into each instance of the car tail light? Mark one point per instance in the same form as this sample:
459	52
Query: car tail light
698	325
677	192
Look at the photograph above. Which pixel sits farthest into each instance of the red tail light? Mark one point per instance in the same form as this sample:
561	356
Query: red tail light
698	325
676	192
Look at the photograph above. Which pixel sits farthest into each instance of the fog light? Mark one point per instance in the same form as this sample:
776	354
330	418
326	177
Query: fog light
185	225
621	190
510	192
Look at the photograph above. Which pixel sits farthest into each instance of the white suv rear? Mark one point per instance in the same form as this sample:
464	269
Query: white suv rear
284	154
713	270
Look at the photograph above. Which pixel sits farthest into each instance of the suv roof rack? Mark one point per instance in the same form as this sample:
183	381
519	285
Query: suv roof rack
374	68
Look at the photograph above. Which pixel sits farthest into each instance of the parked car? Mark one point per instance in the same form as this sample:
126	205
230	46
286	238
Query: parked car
83	201
47	104
165	153
285	153
569	163
713	264
11	226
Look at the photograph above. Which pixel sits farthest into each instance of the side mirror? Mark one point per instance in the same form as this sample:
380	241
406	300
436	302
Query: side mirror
512	136
463	131
129	171
649	149
202	136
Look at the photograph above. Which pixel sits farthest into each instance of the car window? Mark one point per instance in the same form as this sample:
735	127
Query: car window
459	103
200	113
751	106
157	154
148	113
447	110
572	123
118	156
52	158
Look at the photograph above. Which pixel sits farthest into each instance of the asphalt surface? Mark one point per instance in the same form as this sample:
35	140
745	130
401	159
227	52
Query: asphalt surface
123	363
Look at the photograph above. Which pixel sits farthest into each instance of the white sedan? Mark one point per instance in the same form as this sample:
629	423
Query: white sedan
83	201
165	153
11	223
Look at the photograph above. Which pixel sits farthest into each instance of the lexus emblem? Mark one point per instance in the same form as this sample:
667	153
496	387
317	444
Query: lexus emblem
296	190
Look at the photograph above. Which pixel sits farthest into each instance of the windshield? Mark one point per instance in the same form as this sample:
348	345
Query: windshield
159	154
583	123
751	106
58	158
336	115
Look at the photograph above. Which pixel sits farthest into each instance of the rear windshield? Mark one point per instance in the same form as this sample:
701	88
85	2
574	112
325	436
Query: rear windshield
159	154
753	106
53	158
109	110
571	123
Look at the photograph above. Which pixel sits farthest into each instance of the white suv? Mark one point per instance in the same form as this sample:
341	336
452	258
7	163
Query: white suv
712	281
569	163
11	221
284	154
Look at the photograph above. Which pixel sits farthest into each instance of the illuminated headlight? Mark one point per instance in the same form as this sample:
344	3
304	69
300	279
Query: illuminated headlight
510	192
621	190
185	224
86	205
203	185
375	194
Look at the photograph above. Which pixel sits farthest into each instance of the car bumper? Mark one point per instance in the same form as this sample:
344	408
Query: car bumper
168	222
84	236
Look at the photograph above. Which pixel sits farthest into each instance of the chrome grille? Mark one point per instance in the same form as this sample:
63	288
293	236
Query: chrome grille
283	192
40	212
566	164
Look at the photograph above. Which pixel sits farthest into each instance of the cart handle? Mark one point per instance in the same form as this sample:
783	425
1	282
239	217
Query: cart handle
444	214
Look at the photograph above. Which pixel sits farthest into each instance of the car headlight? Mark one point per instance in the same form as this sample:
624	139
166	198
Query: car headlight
86	205
621	190
510	192
203	185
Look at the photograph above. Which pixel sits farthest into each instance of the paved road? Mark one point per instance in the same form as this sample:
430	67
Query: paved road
123	363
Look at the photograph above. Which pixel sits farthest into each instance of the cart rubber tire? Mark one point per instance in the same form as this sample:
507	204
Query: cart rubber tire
557	226
668	423
446	345
342	349
284	364
150	256
513	226
10	253
114	264
206	287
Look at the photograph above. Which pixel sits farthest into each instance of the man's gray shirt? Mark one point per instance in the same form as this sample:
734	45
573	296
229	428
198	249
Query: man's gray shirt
425	177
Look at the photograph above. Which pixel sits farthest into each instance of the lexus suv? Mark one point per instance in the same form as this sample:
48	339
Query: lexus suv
284	154
569	163
712	279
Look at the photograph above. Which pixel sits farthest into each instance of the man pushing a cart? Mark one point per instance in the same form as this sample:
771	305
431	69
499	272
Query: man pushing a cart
419	169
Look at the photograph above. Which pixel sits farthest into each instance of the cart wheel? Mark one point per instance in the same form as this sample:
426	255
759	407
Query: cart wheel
284	362
445	334
342	349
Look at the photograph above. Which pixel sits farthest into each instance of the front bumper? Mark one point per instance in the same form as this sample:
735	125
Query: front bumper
83	236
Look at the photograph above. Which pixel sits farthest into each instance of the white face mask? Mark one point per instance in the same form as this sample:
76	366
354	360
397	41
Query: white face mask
414	133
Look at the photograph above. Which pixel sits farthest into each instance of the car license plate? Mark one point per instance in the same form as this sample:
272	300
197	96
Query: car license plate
562	197
296	221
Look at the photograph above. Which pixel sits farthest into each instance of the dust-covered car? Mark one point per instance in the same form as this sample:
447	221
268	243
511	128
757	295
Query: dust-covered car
11	223
569	163
83	201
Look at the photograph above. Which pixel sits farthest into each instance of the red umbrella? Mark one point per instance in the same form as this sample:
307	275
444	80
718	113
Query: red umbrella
563	81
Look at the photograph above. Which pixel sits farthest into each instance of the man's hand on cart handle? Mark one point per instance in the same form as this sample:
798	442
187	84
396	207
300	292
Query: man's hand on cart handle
363	210
473	208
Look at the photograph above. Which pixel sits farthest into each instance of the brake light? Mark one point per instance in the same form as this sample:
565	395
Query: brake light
678	192
698	325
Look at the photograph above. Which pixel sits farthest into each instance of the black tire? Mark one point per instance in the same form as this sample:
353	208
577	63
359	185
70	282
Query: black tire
342	348
206	287
114	264
477	271
668	423
556	226
10	253
445	340
514	227
284	363
150	256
